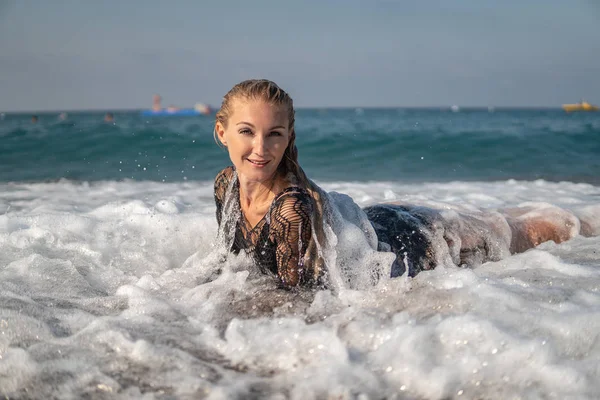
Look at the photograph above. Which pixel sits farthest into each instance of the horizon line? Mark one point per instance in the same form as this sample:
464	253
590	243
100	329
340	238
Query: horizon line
436	107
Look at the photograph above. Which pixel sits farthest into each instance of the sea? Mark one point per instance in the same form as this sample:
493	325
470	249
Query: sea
112	284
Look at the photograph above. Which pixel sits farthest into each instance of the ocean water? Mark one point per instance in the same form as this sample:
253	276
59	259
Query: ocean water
112	284
407	145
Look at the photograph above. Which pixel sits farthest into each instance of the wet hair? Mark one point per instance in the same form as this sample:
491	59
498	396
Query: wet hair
269	92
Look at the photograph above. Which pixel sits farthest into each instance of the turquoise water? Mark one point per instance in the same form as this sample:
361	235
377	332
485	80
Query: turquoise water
402	145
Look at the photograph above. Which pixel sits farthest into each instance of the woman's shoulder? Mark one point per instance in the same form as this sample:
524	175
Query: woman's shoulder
222	183
291	200
225	174
294	192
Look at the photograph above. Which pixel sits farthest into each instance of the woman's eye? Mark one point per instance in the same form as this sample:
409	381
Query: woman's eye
275	133
246	132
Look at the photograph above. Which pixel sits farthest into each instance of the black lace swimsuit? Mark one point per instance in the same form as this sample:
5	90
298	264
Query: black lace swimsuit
279	240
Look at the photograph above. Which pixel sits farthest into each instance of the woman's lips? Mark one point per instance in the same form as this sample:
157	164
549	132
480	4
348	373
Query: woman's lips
258	163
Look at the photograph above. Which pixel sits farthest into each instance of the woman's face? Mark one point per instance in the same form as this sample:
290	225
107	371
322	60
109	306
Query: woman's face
256	137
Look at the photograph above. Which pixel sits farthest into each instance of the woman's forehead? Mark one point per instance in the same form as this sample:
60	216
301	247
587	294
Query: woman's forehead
257	108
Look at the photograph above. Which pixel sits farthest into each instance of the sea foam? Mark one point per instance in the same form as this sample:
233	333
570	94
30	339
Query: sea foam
119	289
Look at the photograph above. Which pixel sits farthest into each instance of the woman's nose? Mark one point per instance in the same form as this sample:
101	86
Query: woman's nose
259	145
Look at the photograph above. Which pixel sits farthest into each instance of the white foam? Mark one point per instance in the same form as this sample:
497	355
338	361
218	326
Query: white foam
116	289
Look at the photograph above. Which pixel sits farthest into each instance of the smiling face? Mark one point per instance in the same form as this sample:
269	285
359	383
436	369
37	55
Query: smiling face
256	136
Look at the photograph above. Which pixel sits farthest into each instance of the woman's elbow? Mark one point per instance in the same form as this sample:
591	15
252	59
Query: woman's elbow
289	280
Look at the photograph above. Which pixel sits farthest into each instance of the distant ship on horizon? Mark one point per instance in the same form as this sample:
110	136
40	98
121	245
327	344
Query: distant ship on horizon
581	106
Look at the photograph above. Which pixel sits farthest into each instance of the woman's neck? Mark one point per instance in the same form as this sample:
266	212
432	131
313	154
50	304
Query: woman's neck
257	192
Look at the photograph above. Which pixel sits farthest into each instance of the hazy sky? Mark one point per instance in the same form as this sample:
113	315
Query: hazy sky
109	54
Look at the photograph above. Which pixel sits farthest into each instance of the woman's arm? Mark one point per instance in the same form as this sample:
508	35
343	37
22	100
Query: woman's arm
291	230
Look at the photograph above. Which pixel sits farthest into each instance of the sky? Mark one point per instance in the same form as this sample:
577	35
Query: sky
110	54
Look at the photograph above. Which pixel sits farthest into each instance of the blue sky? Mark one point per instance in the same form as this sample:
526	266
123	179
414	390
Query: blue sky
83	54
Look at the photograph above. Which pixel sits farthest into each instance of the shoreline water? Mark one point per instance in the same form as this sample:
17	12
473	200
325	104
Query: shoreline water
115	289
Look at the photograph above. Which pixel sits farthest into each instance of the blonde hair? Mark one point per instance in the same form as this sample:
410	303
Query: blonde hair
270	93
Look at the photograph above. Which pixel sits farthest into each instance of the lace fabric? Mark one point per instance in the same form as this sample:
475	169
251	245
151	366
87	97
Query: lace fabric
278	242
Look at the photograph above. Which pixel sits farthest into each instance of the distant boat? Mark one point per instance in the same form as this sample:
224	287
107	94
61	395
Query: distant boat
157	110
199	109
455	108
581	106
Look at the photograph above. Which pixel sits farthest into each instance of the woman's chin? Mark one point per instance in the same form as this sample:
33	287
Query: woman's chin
254	174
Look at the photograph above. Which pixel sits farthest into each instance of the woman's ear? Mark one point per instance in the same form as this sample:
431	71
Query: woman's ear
221	133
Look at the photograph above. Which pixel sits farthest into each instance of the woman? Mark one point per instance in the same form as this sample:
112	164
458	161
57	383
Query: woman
273	208
268	207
